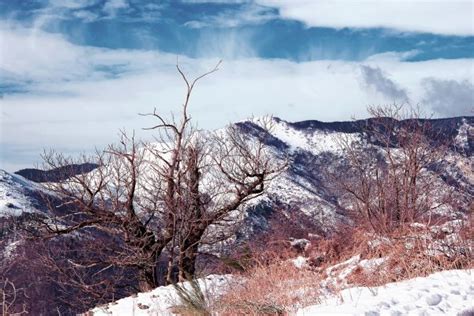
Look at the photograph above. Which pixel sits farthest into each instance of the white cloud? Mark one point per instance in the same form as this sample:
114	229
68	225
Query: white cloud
434	16
85	15
72	4
33	55
248	14
449	97
394	56
74	104
227	45
111	7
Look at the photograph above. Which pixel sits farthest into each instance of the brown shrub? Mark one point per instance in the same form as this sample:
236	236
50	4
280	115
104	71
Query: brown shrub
271	289
271	284
410	254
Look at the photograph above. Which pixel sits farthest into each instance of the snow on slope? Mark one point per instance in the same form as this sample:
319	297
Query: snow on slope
15	195
314	141
159	301
465	131
313	145
443	293
295	189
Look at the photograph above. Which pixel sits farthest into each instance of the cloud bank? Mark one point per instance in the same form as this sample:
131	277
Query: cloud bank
376	79
432	16
449	97
73	98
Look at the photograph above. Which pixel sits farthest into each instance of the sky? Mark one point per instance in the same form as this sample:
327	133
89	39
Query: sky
75	72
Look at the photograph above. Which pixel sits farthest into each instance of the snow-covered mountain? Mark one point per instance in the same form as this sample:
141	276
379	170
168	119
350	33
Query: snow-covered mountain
310	147
314	147
18	195
299	195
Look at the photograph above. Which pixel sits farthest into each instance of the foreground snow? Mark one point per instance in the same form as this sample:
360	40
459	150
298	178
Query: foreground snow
447	292
159	301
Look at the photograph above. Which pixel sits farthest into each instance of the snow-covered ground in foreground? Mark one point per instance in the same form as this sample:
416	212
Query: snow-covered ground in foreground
161	300
443	293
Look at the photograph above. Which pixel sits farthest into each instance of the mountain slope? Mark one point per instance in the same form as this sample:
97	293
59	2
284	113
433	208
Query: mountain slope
18	195
313	149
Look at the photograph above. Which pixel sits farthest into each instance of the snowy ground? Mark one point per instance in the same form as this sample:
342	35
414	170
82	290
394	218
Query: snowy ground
159	301
442	293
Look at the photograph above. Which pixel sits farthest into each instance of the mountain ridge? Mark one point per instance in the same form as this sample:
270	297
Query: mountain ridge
300	196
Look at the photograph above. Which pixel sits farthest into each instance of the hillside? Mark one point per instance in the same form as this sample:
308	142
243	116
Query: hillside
300	200
18	195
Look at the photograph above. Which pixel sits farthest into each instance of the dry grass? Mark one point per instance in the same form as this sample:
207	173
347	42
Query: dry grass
193	300
270	284
404	264
413	253
273	289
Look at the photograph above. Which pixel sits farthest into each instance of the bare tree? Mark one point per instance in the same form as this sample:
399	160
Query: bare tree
174	194
390	180
209	178
234	171
105	203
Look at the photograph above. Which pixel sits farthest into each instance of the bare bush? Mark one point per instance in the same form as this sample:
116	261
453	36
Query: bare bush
417	251
193	300
414	255
278	288
390	180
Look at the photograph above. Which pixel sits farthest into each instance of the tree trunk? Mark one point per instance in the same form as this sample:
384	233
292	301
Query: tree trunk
151	249
187	263
188	254
147	279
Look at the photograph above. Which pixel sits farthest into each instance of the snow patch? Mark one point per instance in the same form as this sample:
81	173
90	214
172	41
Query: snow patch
300	262
447	292
14	195
161	300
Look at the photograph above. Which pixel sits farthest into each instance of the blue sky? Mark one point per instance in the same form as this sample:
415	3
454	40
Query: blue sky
73	72
195	28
